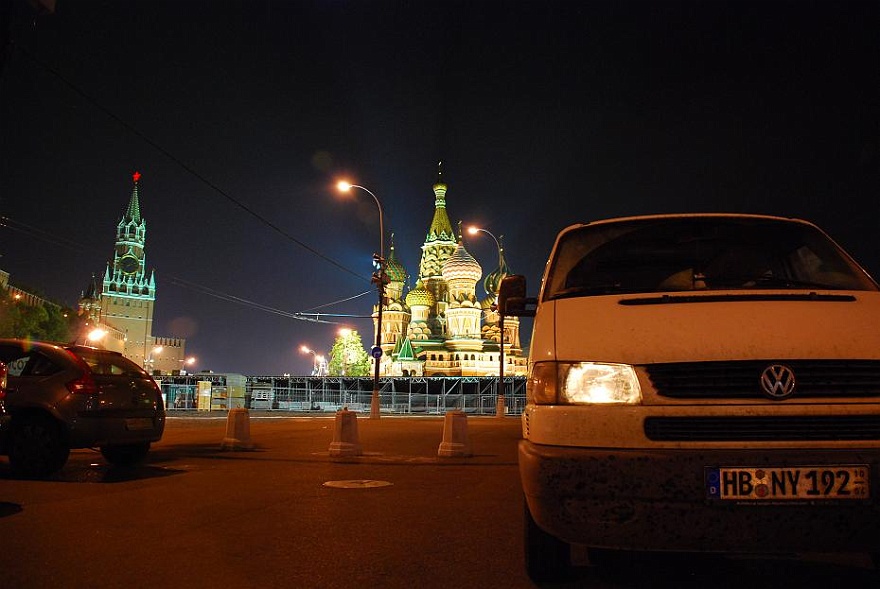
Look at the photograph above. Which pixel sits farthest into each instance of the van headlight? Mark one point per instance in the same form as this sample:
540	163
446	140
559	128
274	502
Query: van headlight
584	383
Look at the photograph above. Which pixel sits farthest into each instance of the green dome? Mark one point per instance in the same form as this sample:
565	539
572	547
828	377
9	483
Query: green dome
493	280
393	268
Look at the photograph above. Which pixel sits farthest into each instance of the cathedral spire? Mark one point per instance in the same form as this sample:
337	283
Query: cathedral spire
441	228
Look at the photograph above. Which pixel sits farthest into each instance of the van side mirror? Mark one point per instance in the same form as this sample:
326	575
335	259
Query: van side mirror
512	299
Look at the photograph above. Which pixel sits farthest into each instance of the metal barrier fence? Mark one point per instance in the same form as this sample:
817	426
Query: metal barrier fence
405	395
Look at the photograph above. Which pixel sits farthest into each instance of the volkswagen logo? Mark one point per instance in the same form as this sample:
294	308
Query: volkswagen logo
777	381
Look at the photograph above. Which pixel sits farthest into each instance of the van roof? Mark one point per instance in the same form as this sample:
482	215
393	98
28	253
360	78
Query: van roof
689	215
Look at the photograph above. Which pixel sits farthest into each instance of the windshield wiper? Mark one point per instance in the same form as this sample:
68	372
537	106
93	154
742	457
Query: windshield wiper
766	281
587	290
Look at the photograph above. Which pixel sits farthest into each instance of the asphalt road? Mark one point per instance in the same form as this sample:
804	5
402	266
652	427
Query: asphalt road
399	516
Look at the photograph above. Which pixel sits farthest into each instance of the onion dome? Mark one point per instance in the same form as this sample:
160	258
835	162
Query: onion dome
393	268
493	280
461	265
420	296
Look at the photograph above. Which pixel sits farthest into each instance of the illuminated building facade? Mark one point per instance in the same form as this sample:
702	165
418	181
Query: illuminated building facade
125	300
440	327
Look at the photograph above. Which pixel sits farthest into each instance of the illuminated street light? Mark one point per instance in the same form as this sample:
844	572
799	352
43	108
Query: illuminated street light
379	279
315	366
149	360
499	402
97	335
473	230
184	362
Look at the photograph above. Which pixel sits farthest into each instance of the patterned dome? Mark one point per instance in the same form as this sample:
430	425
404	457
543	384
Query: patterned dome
461	265
494	278
393	268
420	296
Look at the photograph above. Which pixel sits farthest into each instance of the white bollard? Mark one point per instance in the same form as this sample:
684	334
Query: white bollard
455	435
345	435
238	431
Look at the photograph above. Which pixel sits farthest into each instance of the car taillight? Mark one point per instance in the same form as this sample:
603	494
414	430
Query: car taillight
84	385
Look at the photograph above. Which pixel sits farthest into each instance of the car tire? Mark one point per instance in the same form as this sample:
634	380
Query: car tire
38	446
547	558
125	454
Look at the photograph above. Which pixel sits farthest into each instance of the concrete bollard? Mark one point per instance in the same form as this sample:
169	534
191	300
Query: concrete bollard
238	431
455	435
345	435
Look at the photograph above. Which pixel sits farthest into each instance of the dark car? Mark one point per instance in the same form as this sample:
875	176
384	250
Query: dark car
62	397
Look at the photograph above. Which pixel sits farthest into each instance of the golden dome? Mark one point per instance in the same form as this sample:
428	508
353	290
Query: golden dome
420	296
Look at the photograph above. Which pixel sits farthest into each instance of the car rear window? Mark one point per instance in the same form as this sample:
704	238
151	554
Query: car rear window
109	364
27	362
696	253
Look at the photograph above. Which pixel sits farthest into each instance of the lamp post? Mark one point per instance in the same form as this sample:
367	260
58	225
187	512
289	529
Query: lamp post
308	350
379	280
499	401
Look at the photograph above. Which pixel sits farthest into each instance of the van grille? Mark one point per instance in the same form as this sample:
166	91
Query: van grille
747	429
741	380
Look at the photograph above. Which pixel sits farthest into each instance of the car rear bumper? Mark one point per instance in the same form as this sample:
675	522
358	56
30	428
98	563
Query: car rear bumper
658	500
94	428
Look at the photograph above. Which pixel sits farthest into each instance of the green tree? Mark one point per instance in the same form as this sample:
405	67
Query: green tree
348	356
40	322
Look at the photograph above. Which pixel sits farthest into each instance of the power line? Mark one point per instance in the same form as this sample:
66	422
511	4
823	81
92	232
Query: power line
184	165
306	315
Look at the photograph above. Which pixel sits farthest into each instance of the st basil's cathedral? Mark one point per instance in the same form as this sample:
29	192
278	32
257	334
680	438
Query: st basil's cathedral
440	327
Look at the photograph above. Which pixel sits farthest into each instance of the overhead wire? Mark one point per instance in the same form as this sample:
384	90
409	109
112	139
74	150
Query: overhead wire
186	167
306	315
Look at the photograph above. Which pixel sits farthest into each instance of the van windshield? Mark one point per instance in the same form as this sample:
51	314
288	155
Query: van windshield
699	253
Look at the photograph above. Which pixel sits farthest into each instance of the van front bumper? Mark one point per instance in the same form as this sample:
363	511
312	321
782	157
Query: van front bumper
658	500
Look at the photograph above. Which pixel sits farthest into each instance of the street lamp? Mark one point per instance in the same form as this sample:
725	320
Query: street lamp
186	361
307	350
148	361
96	335
499	401
379	280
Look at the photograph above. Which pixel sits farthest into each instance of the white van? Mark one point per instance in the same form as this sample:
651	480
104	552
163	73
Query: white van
700	383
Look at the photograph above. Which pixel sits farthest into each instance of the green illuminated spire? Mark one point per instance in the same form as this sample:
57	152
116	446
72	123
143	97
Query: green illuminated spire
133	212
441	228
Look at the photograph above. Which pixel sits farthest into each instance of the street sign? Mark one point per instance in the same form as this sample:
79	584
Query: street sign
376	352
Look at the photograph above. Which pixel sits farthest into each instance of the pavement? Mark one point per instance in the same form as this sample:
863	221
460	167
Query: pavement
286	513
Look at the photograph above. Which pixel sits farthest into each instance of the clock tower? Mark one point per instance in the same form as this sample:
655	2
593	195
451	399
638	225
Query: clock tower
128	293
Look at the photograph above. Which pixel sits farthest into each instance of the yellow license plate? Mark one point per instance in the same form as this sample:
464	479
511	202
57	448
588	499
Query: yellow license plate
798	483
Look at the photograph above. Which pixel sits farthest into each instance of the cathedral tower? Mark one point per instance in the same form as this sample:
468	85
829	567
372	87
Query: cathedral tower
439	244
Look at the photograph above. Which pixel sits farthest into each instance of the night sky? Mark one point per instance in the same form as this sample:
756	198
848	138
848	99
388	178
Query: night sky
241	116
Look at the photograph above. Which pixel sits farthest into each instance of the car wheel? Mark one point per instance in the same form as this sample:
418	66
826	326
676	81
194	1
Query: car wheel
38	447
126	454
547	558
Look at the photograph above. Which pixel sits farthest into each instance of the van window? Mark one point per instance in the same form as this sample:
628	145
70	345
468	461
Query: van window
662	255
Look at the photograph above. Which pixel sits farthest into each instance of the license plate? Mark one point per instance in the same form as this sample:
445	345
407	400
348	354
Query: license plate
799	483
138	423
